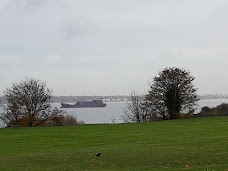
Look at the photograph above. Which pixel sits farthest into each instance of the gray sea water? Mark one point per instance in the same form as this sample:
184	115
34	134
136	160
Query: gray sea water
114	110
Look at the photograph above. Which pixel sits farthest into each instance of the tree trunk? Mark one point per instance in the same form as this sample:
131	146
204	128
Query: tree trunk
30	121
137	117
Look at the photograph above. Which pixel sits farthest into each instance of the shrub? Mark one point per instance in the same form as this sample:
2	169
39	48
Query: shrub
63	120
220	110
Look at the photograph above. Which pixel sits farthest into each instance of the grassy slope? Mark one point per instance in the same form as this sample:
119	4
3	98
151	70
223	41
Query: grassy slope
192	144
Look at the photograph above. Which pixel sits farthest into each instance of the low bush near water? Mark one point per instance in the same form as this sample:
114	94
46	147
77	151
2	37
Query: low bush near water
64	120
220	110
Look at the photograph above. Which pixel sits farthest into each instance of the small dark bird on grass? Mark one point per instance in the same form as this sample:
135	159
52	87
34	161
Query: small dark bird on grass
98	154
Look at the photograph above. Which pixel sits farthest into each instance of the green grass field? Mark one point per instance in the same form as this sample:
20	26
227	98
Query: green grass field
190	144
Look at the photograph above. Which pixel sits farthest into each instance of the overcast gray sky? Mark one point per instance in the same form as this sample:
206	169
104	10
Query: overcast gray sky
108	47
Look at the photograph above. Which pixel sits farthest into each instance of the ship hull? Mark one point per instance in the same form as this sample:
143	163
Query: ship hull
82	104
65	105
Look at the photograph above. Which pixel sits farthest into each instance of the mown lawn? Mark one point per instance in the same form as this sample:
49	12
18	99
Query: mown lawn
191	144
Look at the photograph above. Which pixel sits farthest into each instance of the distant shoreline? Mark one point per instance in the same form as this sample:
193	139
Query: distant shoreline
114	98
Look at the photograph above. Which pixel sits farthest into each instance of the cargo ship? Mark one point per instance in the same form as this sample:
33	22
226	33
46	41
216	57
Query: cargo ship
84	104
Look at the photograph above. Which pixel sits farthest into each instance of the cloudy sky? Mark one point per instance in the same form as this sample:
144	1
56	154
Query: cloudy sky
108	47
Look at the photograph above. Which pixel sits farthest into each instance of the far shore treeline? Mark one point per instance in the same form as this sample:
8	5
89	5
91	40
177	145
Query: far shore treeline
114	98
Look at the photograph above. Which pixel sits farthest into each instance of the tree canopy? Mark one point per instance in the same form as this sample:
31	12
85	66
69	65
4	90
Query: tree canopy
172	93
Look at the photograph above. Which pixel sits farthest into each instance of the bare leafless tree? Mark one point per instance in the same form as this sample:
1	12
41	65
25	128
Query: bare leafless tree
28	103
135	111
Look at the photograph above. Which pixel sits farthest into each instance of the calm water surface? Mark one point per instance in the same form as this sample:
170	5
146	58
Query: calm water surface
113	111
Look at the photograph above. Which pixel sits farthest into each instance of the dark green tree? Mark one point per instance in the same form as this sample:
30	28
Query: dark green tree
172	93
